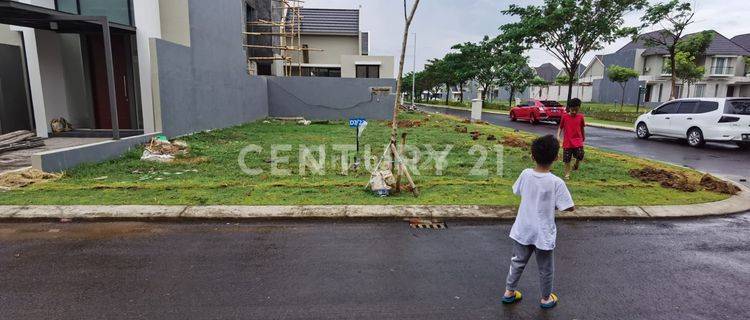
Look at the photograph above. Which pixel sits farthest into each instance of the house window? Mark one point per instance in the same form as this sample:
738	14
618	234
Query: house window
368	71
678	91
661	90
722	66
305	54
700	90
117	11
318	72
716	91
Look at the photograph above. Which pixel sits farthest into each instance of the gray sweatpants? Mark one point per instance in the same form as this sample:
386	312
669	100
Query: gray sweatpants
545	260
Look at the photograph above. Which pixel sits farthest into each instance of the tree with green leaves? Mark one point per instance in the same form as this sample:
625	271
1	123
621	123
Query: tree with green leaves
621	75
675	16
688	50
461	69
564	79
483	61
570	29
513	71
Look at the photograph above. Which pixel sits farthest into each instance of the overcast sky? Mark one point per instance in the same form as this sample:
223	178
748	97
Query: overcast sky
439	24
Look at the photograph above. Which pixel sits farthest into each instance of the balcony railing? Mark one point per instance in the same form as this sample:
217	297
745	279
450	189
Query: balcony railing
721	71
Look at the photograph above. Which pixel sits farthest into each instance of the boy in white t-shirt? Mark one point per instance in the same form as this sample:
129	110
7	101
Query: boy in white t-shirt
534	230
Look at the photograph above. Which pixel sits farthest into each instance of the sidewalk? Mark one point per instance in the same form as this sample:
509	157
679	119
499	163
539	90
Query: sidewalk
736	204
589	123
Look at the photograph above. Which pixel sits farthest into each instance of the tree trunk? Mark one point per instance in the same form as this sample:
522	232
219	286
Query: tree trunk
622	100
570	87
461	85
394	122
447	93
510	99
673	77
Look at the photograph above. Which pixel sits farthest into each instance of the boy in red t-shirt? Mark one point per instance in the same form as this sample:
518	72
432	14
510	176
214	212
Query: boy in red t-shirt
572	127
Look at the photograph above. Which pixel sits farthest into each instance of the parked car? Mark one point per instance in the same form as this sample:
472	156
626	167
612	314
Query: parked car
699	120
537	110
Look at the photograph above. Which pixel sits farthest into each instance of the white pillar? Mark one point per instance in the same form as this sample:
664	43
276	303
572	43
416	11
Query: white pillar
35	81
148	25
476	107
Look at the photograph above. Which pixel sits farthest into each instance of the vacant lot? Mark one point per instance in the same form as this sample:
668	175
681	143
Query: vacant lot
211	173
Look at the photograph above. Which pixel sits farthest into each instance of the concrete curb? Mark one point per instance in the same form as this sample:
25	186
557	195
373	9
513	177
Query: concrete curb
735	204
588	124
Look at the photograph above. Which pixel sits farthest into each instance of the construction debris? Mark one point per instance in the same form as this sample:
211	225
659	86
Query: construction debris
475	135
406	123
60	125
382	182
19	179
711	183
304	122
162	150
666	178
461	129
19	140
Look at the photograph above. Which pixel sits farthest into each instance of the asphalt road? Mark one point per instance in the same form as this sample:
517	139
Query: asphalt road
717	158
368	270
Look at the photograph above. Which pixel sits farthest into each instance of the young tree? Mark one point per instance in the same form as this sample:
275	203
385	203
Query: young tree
621	75
569	29
408	17
462	70
675	16
688	49
513	71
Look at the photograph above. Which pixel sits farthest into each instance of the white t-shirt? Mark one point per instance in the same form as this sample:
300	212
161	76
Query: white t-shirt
541	194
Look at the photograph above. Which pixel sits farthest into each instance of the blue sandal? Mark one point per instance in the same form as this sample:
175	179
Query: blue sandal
517	296
550	304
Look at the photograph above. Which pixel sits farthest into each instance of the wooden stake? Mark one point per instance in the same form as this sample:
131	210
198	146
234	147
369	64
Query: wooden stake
400	172
405	170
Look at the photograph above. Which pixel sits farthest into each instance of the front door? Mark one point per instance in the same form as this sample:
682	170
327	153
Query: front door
100	90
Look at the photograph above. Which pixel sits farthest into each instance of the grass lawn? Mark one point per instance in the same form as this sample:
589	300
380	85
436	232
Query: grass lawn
212	174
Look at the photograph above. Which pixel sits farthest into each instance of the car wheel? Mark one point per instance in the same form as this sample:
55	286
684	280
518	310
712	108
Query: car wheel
642	131
695	138
513	117
744	145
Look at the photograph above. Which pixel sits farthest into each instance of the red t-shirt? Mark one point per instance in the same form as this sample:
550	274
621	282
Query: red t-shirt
572	129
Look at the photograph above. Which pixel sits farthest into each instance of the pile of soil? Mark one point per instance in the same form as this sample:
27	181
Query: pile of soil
515	142
667	179
405	123
710	183
491	137
475	135
20	179
461	129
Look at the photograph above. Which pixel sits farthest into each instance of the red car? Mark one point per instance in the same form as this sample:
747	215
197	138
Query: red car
538	110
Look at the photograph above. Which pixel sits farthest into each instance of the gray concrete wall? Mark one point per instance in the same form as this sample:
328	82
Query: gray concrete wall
63	159
611	92
329	98
206	86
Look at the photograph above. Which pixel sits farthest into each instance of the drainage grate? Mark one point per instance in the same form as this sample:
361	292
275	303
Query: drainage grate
426	224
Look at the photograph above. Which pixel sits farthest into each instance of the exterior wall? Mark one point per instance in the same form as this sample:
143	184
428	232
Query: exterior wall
206	86
334	47
653	66
560	92
9	37
349	65
62	159
329	98
53	80
175	21
596	70
611	92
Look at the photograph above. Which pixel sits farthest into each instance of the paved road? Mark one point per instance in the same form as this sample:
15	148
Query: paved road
368	270
722	159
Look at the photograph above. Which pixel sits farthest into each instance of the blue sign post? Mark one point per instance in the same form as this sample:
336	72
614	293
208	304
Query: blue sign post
356	123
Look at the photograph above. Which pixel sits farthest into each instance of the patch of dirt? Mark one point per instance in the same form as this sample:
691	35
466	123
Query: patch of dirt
491	138
405	123
666	178
465	121
20	179
710	183
461	129
515	141
191	160
475	135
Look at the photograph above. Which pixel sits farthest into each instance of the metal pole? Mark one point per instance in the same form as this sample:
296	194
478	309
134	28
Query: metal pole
110	78
356	155
414	73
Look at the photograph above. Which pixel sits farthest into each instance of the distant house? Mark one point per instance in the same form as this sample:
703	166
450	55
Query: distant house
337	47
548	72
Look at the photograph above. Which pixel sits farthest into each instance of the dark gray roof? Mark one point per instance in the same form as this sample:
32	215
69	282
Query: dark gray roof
743	40
580	70
640	43
547	71
719	45
329	21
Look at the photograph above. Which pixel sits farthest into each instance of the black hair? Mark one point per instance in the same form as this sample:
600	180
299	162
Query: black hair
575	103
545	149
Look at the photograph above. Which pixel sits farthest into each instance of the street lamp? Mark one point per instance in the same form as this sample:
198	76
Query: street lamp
414	72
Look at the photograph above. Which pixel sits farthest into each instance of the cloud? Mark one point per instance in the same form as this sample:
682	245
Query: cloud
439	24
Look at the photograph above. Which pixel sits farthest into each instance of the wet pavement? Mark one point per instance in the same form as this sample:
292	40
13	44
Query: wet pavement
665	269
718	158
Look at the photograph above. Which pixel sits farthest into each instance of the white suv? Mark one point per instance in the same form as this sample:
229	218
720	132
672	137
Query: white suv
699	120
